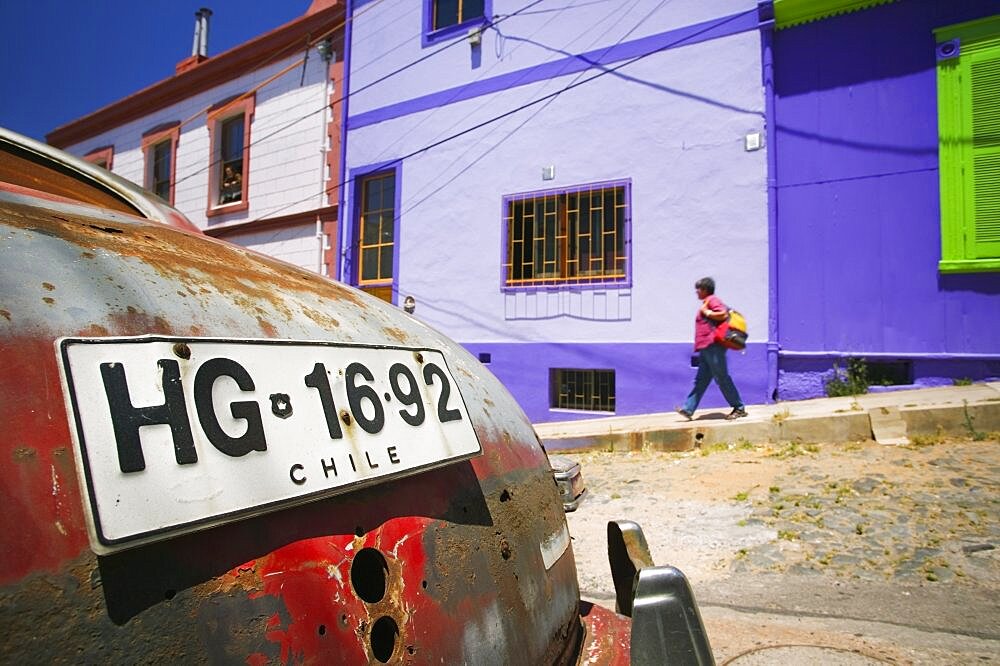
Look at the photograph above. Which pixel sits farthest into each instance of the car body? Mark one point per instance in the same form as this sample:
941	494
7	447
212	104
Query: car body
320	541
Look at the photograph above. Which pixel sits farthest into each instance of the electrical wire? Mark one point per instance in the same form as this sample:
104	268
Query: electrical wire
522	107
328	103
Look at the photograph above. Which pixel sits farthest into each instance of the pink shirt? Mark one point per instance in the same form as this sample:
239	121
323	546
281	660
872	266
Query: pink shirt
704	328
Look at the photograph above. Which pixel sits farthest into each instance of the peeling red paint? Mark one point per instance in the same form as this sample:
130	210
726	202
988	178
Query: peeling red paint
463	578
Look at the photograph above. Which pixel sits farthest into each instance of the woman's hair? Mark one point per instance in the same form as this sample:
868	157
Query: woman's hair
706	283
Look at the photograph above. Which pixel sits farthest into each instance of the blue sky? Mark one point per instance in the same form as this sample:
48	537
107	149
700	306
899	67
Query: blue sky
62	59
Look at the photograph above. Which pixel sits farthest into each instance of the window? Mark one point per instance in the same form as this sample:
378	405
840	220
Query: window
102	157
969	149
446	18
229	127
573	236
589	390
453	12
376	233
159	149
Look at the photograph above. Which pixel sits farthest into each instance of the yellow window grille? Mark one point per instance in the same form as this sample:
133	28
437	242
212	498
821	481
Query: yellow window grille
575	236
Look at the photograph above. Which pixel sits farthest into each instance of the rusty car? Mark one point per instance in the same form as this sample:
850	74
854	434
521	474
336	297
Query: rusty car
213	456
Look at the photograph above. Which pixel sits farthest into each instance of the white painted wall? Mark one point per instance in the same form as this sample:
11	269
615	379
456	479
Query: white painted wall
286	170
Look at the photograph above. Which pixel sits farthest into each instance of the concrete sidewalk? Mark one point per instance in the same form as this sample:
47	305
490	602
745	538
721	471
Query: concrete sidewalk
889	417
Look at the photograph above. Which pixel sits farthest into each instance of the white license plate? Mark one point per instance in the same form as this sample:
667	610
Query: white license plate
178	434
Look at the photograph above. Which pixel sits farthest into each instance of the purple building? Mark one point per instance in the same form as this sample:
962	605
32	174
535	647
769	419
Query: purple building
861	259
546	180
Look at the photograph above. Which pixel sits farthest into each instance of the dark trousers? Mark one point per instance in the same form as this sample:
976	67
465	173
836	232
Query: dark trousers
712	365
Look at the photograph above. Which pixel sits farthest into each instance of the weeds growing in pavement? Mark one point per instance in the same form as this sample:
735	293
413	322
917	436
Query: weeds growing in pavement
976	435
852	381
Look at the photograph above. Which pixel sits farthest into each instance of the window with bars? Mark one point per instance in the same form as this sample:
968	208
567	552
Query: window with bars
588	390
376	233
968	77
571	236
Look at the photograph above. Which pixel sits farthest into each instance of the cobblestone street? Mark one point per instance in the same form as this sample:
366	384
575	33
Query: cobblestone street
906	536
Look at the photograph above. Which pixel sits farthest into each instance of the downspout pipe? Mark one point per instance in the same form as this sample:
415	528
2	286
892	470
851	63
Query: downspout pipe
345	96
765	12
326	54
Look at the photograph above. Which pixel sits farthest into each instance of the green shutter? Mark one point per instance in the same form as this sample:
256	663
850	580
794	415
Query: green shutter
984	240
969	130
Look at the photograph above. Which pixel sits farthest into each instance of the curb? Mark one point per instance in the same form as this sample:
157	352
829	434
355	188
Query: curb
968	419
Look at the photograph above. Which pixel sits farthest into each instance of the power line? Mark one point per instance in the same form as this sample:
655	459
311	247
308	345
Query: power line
522	107
327	103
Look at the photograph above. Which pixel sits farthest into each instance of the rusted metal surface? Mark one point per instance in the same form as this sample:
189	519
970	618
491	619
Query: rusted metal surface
466	563
606	642
26	163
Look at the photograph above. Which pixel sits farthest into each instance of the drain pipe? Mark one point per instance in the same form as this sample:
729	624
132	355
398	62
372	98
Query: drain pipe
345	95
325	50
765	10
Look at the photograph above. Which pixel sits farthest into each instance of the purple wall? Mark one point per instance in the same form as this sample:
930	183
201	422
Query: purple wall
857	196
649	377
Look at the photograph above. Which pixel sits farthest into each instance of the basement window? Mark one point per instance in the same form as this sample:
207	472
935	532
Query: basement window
580	389
890	373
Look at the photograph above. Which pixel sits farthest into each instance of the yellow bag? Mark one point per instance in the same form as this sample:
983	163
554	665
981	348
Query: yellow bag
732	332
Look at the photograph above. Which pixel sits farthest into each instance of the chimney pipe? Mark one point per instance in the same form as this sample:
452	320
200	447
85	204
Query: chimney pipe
197	33
203	46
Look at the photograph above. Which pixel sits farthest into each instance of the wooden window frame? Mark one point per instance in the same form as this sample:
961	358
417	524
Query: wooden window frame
970	237
104	154
382	287
240	105
567	245
170	132
432	34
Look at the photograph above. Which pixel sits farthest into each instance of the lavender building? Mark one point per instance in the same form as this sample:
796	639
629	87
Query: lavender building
548	179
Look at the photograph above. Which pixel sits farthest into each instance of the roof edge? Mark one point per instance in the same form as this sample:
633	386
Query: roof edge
790	13
241	59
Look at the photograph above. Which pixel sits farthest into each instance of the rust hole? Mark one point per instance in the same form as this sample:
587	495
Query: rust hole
322	630
699	436
505	495
107	230
345	417
419	357
423	584
181	350
368	574
385	633
504	548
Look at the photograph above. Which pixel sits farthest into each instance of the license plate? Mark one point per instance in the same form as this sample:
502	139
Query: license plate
178	434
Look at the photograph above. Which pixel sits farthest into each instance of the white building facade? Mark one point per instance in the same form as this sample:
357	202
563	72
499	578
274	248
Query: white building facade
245	143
